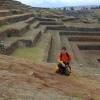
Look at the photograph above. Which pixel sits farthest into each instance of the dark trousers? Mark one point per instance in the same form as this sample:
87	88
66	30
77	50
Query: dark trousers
63	70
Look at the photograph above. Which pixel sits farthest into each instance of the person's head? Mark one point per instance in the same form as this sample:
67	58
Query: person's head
63	50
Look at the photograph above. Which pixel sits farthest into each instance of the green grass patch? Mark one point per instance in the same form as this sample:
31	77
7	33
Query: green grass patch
36	53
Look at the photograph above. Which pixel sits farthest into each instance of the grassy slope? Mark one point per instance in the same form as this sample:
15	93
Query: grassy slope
36	53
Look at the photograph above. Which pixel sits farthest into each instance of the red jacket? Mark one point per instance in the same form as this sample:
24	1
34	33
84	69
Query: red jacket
65	57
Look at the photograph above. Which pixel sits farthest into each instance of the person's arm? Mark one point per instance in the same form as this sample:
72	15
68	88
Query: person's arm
59	61
70	57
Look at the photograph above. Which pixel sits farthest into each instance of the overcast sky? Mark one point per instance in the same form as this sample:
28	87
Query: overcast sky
59	3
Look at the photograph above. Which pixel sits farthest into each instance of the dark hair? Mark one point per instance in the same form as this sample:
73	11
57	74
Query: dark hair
63	48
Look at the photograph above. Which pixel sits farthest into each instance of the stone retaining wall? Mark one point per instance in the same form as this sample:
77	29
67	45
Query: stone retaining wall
89	47
80	33
14	18
73	29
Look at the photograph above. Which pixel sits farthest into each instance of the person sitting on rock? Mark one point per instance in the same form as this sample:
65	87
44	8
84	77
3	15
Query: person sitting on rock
64	61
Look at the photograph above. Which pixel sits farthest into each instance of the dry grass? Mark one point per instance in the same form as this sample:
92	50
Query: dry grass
21	79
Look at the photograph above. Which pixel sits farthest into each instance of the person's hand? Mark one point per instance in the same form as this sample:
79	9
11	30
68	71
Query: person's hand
63	64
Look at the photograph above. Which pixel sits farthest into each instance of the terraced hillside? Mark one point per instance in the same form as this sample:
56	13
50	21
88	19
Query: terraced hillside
30	40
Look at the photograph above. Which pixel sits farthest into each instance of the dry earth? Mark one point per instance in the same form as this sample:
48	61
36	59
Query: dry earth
24	80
